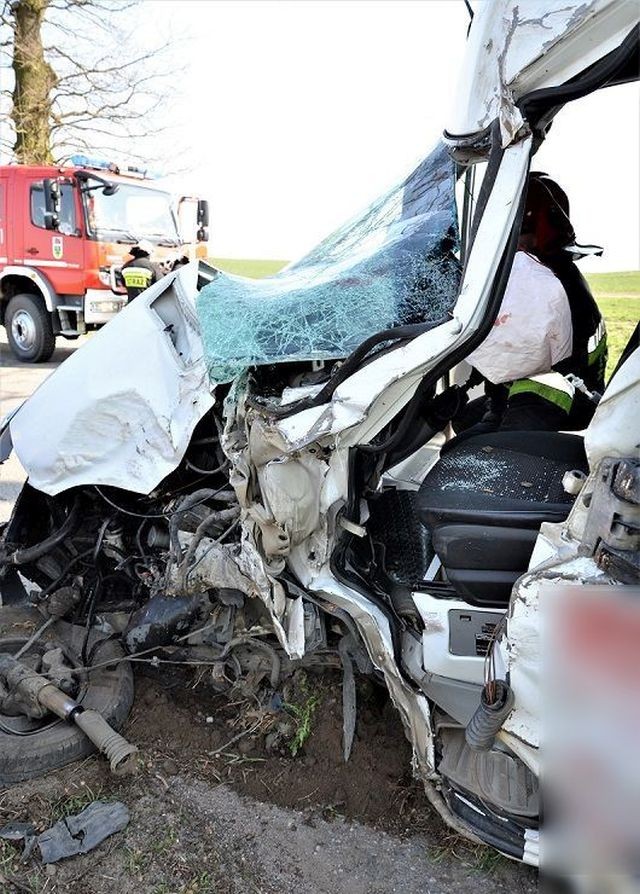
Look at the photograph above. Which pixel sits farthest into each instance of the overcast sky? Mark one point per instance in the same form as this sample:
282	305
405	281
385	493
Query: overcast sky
298	113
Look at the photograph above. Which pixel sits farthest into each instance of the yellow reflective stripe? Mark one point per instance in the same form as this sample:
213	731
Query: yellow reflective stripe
599	348
556	396
134	281
136	277
598	335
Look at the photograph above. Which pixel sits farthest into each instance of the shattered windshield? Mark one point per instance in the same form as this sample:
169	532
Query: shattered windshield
133	213
393	265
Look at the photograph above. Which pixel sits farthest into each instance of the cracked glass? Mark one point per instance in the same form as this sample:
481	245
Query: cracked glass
395	264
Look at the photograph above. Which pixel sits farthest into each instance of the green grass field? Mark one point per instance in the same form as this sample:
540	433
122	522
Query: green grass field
254	269
617	294
627	283
618	297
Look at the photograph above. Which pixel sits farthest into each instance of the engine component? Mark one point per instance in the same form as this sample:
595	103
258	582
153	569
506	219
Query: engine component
162	619
157	538
31	553
61	602
189	501
57	670
113	540
221	515
41	695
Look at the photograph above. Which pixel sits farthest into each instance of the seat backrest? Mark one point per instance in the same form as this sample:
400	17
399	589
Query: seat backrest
484	501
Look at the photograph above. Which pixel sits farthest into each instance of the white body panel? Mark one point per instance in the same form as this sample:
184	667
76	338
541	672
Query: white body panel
615	427
614	432
436	655
515	48
121	410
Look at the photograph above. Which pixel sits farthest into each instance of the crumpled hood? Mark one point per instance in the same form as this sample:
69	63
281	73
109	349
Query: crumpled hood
121	410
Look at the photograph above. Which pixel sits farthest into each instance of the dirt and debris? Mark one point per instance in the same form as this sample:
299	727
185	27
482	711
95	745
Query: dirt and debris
81	833
250	817
289	752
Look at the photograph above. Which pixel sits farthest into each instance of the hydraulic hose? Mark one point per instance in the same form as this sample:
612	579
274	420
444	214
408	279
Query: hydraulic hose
219	515
347	368
31	553
494	708
183	505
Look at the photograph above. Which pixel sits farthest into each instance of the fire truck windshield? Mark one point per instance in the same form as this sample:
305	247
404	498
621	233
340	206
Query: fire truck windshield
132	213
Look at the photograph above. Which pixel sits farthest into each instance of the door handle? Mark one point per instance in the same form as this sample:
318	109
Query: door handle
33	251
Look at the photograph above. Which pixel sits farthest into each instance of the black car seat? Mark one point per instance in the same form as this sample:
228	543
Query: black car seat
484	502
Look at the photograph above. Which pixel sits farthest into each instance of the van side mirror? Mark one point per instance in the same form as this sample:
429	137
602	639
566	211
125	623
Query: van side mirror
51	204
203	213
192	217
108	187
203	221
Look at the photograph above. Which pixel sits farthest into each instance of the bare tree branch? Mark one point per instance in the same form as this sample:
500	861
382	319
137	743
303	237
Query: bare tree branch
90	79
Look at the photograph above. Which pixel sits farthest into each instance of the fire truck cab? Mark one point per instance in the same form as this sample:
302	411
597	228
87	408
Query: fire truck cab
65	233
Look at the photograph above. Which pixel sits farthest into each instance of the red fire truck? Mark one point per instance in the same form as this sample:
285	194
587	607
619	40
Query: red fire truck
65	233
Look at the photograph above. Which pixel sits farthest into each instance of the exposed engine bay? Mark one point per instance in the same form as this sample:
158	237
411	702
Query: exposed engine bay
155	567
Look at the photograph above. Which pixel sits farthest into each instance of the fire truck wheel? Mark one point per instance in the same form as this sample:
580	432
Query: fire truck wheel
29	329
30	748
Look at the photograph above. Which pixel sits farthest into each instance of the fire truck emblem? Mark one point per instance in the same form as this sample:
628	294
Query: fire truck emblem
57	247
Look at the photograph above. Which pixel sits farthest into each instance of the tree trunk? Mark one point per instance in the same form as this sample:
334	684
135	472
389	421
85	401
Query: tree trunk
34	82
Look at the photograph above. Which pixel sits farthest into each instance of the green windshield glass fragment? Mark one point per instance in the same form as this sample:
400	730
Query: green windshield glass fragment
393	265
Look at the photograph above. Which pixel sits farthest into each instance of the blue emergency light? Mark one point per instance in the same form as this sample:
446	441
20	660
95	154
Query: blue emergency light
99	164
96	164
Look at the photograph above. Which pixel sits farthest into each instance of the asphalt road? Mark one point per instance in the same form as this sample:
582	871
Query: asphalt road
17	382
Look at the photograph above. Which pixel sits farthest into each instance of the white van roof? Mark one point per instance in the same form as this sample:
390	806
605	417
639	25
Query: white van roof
515	47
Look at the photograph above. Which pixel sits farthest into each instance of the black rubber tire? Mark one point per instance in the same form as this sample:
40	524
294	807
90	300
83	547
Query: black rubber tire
44	341
109	691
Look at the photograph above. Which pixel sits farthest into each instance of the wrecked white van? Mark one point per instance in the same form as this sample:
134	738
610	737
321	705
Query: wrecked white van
254	472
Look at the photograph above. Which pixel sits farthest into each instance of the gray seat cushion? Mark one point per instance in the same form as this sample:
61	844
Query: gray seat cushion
502	479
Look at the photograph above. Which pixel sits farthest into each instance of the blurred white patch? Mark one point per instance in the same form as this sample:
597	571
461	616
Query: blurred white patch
591	735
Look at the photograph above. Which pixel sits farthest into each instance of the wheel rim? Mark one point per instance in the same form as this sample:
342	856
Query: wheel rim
23	330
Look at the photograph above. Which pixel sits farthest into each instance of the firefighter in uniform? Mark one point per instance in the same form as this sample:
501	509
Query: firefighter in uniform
548	326
140	272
